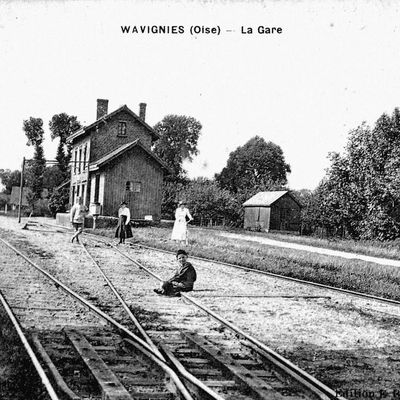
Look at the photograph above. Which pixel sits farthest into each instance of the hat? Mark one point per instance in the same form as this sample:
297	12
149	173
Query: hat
123	202
181	252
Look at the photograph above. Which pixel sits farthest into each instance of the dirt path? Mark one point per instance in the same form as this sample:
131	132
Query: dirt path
320	250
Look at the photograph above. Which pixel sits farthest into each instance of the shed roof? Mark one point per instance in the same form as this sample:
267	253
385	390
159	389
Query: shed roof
94	166
15	190
82	131
266	199
14	198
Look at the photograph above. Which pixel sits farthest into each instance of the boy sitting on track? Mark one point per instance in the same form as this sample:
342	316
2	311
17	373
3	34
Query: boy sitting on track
183	279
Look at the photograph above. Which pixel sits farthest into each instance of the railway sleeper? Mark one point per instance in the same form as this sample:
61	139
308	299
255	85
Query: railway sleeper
64	365
248	379
213	371
136	374
81	372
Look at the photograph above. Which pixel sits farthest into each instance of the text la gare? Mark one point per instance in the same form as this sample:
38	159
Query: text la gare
262	30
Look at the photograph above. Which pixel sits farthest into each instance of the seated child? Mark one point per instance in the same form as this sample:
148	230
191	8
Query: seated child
183	279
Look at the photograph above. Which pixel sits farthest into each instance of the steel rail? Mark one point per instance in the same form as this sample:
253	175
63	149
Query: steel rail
288	278
110	320
29	350
192	379
293	370
272	274
124	305
297	373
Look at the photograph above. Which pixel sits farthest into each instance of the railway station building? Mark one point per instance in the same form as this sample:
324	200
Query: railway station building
273	210
112	161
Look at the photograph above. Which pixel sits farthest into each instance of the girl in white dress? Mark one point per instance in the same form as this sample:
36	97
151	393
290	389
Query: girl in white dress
179	232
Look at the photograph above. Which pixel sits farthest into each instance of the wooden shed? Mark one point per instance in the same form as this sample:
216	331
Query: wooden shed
275	210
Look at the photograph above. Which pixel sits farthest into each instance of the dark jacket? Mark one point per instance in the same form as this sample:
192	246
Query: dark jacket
186	276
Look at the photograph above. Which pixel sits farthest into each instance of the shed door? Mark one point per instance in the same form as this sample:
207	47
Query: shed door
263	218
250	217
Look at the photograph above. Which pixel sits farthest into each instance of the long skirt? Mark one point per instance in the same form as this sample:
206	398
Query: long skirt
123	231
179	231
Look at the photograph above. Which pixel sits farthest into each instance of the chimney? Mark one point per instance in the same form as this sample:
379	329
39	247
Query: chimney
102	108
142	111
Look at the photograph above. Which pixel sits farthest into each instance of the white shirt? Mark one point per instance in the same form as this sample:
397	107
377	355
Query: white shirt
125	211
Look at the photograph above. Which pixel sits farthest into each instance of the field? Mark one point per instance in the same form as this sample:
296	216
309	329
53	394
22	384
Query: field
356	275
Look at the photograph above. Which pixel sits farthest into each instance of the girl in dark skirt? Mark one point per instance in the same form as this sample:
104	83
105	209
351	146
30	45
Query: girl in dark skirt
124	227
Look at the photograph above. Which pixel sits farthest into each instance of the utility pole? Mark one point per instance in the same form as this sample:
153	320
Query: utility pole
21	187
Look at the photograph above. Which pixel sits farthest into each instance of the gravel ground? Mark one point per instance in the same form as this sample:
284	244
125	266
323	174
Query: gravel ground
350	344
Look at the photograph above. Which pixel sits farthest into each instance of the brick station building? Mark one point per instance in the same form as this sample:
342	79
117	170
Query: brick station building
112	161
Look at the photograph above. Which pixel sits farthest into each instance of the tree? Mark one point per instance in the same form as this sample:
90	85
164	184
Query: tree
172	193
178	142
33	129
360	194
58	201
61	126
9	179
208	201
52	177
257	165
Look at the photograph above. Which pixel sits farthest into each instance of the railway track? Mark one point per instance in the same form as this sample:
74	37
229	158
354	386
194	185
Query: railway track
366	296
229	368
86	360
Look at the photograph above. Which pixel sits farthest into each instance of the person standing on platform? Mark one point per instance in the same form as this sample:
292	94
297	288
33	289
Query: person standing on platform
124	223
182	218
77	218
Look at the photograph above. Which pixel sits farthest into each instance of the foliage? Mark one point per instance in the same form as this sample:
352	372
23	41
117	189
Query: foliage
52	177
360	195
178	141
61	126
257	165
9	179
58	201
172	189
208	201
3	202
33	129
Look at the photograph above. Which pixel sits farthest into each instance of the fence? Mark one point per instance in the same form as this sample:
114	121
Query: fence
209	222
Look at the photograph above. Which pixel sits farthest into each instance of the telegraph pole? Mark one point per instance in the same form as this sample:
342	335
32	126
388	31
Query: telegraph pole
21	186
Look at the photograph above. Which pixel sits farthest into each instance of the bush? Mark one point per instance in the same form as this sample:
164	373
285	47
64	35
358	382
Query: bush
58	202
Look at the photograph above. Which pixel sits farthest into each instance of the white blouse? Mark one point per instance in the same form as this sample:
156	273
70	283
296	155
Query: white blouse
125	211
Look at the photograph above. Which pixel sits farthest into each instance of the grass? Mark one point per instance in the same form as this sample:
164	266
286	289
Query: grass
374	248
355	275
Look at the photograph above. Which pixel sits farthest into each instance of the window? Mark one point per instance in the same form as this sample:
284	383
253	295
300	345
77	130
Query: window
80	161
122	128
96	188
75	160
84	157
137	186
132	186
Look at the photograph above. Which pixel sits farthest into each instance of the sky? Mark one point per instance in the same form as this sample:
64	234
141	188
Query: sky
335	65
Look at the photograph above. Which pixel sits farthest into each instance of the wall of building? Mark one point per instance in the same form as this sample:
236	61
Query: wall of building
285	214
257	218
134	166
80	157
105	138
